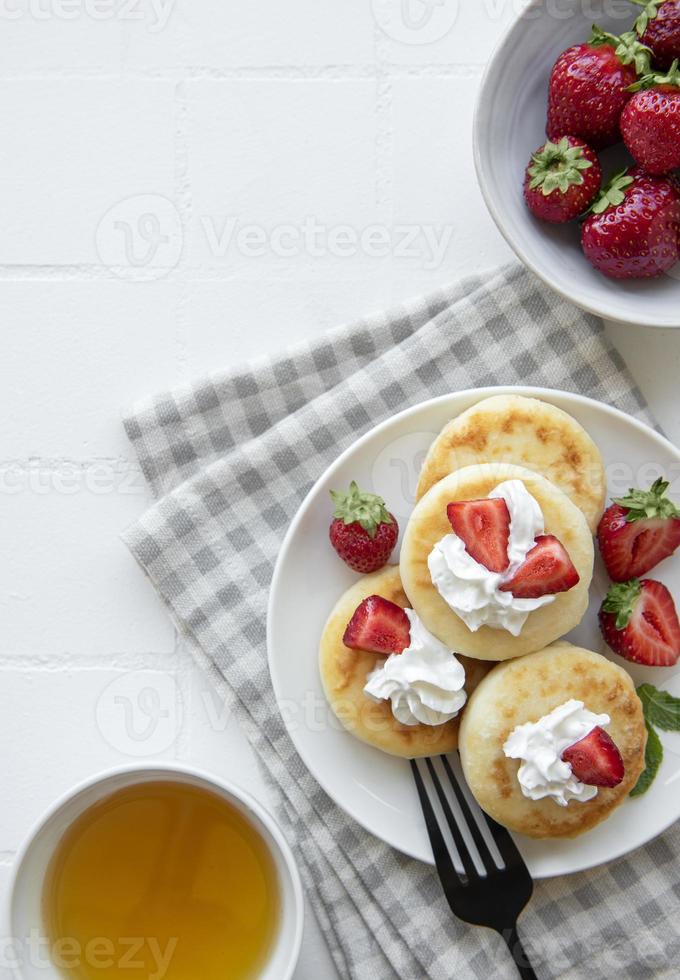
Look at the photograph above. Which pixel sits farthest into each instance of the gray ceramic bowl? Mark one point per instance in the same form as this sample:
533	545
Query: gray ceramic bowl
510	125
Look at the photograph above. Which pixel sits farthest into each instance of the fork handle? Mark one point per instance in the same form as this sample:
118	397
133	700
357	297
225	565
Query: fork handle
514	944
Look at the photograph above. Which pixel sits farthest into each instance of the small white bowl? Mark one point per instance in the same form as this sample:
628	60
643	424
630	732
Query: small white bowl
25	943
510	124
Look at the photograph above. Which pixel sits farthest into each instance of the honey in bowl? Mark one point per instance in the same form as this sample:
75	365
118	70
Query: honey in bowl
161	881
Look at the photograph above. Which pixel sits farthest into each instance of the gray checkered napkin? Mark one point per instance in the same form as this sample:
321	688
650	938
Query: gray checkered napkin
230	459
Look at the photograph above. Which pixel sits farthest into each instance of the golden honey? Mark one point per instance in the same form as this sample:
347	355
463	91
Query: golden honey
161	881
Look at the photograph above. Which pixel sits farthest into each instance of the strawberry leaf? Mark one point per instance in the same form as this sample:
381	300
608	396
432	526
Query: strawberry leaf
621	600
557	166
650	9
653	760
652	79
628	48
660	708
358	506
613	194
644	504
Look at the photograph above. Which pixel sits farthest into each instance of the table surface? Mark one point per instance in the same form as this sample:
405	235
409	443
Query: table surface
193	184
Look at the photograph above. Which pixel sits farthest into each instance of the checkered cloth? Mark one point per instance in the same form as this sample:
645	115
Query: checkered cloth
230	459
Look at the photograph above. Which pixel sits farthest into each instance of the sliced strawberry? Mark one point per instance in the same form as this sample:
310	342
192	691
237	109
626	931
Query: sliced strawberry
595	760
546	570
379	626
639	621
639	531
484	528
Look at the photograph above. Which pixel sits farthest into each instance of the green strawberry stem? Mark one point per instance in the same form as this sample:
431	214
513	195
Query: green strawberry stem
612	194
672	78
358	506
621	601
628	48
650	10
644	504
557	167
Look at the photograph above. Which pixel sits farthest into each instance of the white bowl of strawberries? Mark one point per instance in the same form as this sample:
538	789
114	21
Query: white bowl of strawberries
577	147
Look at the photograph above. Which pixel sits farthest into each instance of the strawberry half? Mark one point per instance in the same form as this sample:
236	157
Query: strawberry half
484	528
363	532
379	626
595	759
546	570
639	621
639	531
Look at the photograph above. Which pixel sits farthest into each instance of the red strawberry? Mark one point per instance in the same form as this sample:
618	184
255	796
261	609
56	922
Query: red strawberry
595	759
650	123
639	531
562	180
659	27
363	532
589	87
634	230
639	622
484	527
379	626
546	570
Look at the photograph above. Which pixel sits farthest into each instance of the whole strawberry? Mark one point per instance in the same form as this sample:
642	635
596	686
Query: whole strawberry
634	229
650	123
363	532
562	180
659	28
639	531
639	621
589	87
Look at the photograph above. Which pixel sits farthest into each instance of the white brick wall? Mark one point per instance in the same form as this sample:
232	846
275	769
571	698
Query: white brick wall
264	113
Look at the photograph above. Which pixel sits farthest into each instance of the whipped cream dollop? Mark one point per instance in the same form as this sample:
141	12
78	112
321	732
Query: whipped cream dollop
539	745
424	683
470	589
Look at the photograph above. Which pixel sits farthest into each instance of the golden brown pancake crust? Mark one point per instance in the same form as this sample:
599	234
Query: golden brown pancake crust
527	432
525	690
429	524
344	673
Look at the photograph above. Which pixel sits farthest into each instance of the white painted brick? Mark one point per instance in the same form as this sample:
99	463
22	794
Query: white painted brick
228	321
71	585
262	153
438	187
460	32
86	733
77	149
114	342
50	43
201	33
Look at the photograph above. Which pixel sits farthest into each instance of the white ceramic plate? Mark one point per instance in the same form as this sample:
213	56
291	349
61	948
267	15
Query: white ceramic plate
377	789
510	124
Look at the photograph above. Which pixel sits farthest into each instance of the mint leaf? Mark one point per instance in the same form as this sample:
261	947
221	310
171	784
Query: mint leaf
653	759
660	708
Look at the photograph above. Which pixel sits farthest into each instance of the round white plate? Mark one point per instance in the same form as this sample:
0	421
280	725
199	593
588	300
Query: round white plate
377	789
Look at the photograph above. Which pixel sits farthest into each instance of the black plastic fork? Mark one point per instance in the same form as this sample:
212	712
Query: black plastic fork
493	899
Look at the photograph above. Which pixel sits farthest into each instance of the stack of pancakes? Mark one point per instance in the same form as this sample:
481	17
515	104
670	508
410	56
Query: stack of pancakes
506	437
